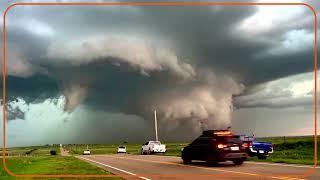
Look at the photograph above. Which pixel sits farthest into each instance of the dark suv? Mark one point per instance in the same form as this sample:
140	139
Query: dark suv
215	146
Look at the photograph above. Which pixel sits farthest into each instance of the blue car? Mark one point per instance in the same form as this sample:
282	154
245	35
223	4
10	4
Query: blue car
257	148
260	149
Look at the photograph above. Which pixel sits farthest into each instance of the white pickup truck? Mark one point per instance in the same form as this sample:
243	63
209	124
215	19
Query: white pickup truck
153	147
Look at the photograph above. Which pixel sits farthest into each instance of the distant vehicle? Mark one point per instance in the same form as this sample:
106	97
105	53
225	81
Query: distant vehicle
86	152
215	146
151	147
257	148
122	149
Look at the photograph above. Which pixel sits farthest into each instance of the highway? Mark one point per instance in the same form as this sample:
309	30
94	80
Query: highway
147	167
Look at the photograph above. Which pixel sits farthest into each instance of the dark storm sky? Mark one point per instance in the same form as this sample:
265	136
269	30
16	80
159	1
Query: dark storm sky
77	69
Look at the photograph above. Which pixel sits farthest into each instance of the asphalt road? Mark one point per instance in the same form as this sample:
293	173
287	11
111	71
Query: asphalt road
149	167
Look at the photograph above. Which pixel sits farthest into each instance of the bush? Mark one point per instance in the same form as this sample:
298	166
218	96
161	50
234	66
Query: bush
53	152
30	151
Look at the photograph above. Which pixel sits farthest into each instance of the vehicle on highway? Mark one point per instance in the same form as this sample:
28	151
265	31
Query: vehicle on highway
151	147
257	148
86	152
215	146
260	149
122	149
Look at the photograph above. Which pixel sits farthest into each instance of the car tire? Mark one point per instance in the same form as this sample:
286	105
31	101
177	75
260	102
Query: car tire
262	157
237	161
212	160
186	161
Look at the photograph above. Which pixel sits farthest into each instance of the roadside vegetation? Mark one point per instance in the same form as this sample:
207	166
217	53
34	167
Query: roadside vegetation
43	160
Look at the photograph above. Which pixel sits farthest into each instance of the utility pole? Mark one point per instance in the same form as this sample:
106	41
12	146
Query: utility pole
201	125
156	124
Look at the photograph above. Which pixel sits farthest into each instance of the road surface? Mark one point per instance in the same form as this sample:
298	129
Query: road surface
147	167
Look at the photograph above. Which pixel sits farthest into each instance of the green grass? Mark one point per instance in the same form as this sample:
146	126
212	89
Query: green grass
31	151
174	149
39	161
290	139
50	165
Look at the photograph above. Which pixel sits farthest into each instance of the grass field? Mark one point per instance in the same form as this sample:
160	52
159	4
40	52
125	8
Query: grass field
296	150
39	161
31	151
51	165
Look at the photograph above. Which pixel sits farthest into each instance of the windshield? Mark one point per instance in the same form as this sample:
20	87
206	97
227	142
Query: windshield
246	138
155	142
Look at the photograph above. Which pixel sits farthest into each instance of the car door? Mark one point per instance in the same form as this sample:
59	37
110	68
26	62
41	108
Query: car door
203	147
195	149
145	147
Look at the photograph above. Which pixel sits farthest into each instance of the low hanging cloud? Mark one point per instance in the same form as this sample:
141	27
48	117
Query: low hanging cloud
206	101
140	55
133	55
292	91
17	66
192	94
201	106
16	109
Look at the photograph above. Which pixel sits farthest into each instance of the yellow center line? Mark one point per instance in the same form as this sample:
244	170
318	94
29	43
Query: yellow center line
206	168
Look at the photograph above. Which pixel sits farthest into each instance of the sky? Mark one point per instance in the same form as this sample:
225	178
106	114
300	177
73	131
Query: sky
96	74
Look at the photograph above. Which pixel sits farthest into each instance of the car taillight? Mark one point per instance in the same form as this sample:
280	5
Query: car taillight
245	145
220	146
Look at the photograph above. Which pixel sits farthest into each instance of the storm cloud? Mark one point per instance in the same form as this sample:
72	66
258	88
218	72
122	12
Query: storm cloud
195	65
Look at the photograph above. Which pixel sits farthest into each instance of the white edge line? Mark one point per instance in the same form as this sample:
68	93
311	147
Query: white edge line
121	170
275	164
144	178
